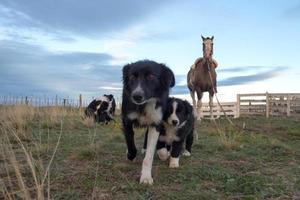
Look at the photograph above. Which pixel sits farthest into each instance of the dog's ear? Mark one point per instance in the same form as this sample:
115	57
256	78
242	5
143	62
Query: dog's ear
167	78
188	107
126	69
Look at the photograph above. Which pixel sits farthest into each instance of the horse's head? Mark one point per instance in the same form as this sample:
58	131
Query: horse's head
208	47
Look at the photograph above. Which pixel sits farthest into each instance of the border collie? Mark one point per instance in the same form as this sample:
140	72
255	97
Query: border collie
146	86
178	123
101	109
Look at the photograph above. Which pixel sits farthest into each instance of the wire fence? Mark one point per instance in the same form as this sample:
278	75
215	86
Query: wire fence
274	104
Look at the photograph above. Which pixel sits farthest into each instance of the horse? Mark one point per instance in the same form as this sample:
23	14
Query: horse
202	77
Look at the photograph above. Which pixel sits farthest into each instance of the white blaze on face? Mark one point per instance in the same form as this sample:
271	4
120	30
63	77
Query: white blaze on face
207	48
173	116
138	89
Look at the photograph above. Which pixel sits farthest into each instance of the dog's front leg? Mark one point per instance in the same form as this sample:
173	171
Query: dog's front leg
129	137
153	134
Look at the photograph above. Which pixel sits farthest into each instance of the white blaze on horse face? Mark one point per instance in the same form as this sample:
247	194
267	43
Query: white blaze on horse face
207	51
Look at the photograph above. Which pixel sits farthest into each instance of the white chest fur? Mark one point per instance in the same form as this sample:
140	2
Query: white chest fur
170	134
150	115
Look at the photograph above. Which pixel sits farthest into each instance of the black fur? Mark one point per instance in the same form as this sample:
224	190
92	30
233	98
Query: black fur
184	114
101	110
155	81
113	104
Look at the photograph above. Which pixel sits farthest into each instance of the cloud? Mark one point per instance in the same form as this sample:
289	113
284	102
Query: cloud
240	80
293	12
271	72
26	68
31	69
93	17
243	69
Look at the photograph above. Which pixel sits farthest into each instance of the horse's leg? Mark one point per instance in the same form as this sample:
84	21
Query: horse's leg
192	92
211	104
199	104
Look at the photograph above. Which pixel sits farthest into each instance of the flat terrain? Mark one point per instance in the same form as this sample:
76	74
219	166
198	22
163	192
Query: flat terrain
261	161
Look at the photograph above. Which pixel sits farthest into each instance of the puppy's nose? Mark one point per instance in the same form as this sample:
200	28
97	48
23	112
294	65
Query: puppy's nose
138	97
174	122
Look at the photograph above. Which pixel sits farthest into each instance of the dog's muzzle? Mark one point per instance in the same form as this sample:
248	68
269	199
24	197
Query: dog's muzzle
138	97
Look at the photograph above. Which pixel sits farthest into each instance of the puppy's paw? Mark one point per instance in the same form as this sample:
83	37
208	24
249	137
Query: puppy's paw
147	180
174	162
143	151
186	153
163	154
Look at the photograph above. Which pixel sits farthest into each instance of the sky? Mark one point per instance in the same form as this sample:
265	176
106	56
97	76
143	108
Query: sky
68	47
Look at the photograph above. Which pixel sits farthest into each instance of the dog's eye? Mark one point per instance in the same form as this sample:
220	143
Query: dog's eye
151	77
132	77
178	110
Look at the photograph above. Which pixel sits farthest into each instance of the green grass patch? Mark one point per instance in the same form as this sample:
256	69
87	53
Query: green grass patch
259	162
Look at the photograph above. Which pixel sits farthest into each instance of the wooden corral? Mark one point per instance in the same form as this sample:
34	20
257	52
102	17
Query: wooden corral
230	109
268	104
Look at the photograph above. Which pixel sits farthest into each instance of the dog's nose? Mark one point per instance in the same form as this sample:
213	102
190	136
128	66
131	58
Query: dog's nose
174	122
138	97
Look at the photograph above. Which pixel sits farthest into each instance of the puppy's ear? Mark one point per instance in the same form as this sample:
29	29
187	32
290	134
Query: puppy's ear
168	78
188	107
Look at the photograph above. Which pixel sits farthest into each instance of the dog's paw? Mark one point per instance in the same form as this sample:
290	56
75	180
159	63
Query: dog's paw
147	180
143	151
131	156
174	162
186	153
163	154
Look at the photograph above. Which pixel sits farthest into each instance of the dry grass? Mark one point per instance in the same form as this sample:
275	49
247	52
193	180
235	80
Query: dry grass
56	153
24	175
17	117
88	122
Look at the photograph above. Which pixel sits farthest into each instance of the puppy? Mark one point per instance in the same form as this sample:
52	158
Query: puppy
178	123
146	86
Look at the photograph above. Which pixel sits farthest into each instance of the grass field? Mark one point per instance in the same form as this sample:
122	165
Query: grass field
53	153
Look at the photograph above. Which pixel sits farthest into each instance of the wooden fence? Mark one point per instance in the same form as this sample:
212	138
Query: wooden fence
268	104
230	109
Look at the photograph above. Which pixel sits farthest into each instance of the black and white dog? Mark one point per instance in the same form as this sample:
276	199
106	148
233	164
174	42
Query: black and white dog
102	109
111	107
146	86
178	123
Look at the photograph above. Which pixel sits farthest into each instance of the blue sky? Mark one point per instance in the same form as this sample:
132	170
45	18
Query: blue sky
69	47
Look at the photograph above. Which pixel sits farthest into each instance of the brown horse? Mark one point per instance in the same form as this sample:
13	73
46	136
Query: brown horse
202	77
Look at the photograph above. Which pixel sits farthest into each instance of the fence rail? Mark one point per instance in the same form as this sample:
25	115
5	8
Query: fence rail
230	109
267	104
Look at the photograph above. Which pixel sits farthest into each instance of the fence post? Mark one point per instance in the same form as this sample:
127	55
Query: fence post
56	100
80	101
267	105
288	109
26	101
64	102
218	111
238	98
